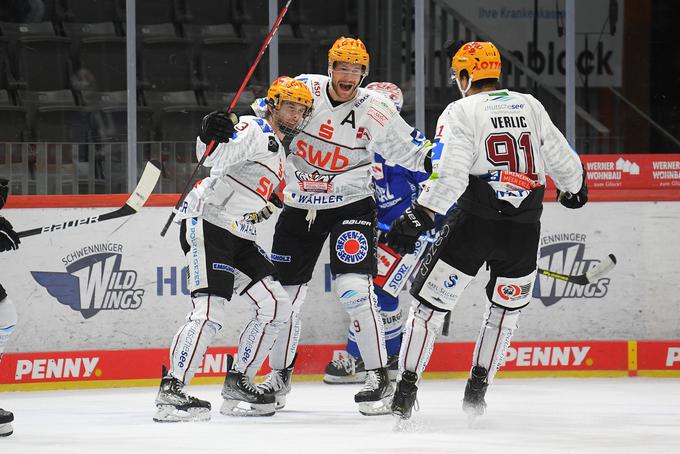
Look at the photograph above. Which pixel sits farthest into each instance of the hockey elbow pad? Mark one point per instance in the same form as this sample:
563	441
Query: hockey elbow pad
578	199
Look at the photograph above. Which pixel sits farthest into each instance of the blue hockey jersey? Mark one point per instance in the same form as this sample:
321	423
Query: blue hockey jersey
395	189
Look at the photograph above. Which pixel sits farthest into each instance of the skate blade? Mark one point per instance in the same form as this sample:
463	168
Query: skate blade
280	402
6	430
168	413
231	407
346	380
377	407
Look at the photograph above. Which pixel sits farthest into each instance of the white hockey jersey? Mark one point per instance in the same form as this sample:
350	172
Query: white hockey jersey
244	172
329	162
505	138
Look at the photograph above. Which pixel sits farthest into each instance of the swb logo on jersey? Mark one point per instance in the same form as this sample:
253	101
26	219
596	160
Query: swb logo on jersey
565	253
351	247
93	281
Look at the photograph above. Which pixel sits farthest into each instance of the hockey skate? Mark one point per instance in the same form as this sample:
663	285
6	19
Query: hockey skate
278	383
475	389
344	369
242	398
405	395
6	418
374	398
175	405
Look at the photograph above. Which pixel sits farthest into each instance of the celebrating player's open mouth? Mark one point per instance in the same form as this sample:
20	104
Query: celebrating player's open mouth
345	78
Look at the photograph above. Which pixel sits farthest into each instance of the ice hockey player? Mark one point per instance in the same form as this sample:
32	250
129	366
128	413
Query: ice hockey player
9	240
217	235
395	189
495	148
329	193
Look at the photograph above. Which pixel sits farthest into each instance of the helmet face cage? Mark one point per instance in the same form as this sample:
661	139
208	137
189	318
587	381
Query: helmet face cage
289	90
288	130
390	91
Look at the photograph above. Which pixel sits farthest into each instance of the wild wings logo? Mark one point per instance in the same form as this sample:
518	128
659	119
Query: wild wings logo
566	253
94	281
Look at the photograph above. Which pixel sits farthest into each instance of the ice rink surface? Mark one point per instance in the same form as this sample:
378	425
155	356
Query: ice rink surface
626	415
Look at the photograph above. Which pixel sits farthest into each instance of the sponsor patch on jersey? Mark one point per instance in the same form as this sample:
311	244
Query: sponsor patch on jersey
314	182
351	247
216	266
280	258
513	292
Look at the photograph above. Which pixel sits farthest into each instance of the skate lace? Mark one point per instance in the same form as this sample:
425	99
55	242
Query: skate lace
245	384
177	387
372	381
346	363
273	382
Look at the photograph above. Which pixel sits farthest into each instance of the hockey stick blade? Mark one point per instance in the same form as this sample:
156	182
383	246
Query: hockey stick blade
137	199
593	275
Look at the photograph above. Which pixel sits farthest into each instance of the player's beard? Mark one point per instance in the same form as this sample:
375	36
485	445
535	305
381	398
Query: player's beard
344	90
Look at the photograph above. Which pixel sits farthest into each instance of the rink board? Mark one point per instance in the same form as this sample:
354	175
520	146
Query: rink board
115	290
116	368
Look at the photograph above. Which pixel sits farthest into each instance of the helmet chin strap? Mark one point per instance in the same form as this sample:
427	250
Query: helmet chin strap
463	93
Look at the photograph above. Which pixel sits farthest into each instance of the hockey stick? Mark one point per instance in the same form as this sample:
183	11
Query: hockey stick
136	200
212	143
583	279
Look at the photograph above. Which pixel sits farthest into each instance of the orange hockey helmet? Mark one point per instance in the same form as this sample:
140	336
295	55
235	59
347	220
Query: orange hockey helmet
350	50
481	60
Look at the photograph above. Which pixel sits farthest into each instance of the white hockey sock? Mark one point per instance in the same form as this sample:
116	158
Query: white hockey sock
285	346
420	332
272	310
355	292
194	337
494	338
8	320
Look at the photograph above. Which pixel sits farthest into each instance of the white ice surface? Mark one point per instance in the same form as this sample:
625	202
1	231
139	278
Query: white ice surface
627	415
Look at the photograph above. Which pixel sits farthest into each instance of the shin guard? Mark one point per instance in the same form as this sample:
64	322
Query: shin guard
194	337
272	310
421	330
355	292
494	338
285	346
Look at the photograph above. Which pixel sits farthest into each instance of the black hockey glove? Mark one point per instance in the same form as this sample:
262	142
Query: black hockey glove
4	190
218	126
577	200
407	228
8	237
266	212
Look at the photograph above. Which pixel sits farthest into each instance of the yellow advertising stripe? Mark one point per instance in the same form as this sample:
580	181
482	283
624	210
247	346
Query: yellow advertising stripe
659	373
632	356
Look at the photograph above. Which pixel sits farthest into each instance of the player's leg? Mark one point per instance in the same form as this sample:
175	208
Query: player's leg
8	320
513	273
353	262
270	310
347	366
447	269
203	243
295	249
